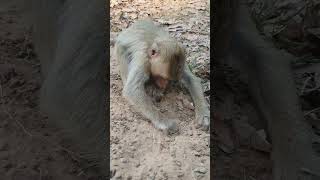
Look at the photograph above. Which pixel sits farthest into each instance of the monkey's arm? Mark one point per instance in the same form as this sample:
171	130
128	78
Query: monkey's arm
193	84
135	93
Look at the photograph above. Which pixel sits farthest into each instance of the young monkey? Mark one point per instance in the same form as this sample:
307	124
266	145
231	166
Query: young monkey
145	51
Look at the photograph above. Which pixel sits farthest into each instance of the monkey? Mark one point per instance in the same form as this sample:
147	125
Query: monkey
146	52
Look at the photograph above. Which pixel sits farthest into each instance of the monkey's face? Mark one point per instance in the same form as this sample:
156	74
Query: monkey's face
159	70
167	59
160	74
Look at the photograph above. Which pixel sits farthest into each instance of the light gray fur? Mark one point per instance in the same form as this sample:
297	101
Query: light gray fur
131	51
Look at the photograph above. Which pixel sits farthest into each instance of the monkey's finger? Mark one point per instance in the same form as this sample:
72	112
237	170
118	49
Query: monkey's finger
203	123
168	126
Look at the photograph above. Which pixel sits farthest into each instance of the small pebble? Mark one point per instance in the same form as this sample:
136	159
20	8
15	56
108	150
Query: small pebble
180	174
178	163
123	160
200	170
188	104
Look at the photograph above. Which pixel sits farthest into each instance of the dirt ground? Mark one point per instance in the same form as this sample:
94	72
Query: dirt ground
29	149
138	150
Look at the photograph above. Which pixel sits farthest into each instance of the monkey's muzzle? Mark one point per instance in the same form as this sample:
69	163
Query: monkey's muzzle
161	82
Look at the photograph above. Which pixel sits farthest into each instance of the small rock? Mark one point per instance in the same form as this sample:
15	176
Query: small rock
118	177
200	170
180	174
197	153
188	104
123	160
178	163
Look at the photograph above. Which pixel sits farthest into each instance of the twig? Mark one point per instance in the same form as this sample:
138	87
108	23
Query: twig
10	115
72	154
311	111
289	17
18	122
312	89
80	173
308	171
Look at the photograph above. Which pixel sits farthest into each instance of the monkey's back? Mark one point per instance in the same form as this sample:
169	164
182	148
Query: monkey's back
142	33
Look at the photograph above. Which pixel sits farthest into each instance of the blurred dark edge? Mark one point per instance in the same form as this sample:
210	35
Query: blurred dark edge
108	82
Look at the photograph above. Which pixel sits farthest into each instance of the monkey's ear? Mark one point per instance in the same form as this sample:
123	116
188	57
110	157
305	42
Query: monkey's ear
152	52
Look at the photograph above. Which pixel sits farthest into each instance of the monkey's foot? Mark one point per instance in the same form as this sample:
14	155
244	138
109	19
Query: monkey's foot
169	126
203	120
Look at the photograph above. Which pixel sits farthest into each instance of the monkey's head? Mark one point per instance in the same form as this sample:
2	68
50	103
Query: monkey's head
167	58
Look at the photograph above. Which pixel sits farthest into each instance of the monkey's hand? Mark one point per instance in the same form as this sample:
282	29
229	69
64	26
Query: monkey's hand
203	119
193	84
134	92
169	126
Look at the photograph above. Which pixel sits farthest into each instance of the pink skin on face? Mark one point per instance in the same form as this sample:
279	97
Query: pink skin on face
158	79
